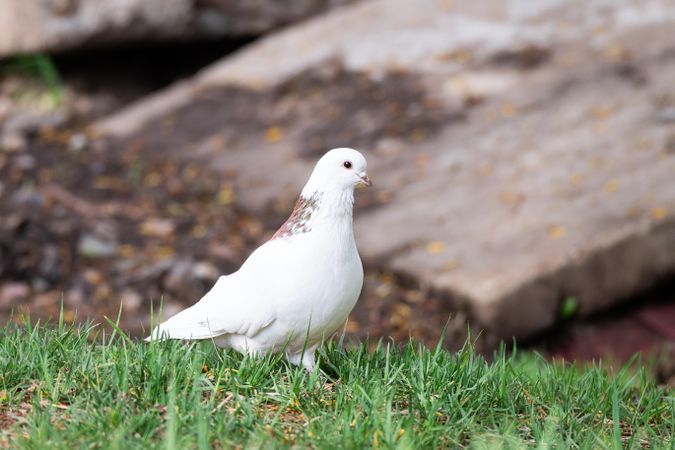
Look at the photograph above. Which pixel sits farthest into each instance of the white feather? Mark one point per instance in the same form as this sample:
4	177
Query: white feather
295	289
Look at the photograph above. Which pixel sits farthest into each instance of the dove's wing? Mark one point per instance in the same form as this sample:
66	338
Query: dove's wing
241	303
224	309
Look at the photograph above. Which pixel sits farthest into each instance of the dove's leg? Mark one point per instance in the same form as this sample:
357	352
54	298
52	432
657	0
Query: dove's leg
307	358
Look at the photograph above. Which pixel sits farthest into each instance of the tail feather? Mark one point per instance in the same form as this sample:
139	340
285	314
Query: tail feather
195	333
182	326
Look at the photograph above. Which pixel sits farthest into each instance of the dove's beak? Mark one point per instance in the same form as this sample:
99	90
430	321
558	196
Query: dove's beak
365	180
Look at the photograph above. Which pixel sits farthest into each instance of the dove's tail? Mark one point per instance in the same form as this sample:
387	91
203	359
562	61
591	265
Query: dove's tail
191	323
183	325
163	331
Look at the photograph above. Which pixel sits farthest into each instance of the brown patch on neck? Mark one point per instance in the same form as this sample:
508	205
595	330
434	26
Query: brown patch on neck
298	221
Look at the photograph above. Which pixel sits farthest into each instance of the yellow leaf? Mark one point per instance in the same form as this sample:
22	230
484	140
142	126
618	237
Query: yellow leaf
157	227
611	186
126	250
164	251
507	197
274	134
597	162
601	112
508	110
435	247
226	195
617	53
556	232
353	326
198	231
658	213
403	310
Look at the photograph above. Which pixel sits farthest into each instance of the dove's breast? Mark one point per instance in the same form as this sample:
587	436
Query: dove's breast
312	281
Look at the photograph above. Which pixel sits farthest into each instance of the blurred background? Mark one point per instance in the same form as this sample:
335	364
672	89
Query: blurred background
523	156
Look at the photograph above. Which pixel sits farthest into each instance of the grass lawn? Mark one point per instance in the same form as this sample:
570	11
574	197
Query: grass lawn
61	388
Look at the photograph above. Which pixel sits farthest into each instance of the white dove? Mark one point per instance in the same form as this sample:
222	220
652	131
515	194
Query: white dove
298	287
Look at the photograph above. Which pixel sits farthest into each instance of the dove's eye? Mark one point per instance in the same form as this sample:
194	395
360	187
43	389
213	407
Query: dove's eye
347	165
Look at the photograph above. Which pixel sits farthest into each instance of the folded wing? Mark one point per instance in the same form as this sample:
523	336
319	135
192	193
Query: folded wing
228	308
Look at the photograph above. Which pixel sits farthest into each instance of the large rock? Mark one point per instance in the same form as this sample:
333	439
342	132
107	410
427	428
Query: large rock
522	153
47	25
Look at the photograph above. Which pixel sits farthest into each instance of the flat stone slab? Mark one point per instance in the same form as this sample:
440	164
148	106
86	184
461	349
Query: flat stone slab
50	25
523	155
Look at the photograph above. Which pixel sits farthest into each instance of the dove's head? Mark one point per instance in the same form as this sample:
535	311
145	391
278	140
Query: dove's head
340	169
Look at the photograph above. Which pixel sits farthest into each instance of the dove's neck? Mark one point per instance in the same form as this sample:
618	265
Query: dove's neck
332	205
320	210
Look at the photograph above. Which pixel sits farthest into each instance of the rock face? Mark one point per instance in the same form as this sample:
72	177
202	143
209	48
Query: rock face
36	25
523	155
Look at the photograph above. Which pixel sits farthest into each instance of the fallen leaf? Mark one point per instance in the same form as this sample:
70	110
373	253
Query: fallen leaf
422	160
508	110
198	231
435	247
601	112
157	227
352	326
658	213
164	252
226	195
274	134
557	232
126	250
507	197
597	161
617	53
611	186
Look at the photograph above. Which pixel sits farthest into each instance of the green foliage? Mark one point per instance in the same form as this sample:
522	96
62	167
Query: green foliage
40	67
568	307
73	387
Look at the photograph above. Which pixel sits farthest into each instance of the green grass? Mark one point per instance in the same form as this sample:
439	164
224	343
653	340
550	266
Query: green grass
40	68
70	387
